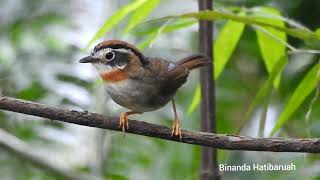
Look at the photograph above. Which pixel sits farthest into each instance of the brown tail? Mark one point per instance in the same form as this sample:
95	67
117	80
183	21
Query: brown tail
194	61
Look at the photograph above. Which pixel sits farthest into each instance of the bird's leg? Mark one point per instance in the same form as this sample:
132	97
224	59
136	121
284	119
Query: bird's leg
124	120
176	131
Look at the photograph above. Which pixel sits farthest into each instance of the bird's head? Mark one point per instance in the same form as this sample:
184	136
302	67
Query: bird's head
114	56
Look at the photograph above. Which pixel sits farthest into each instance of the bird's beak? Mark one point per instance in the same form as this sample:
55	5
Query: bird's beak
88	59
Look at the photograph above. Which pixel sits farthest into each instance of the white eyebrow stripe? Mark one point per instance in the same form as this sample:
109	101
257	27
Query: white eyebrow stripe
100	54
123	50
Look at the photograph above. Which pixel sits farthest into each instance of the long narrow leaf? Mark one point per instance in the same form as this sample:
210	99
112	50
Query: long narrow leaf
306	86
272	49
164	28
263	91
141	13
225	44
195	100
300	33
142	45
151	28
115	19
151	38
264	15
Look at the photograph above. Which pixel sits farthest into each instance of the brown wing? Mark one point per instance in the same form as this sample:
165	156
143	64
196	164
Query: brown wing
151	73
178	73
166	77
175	78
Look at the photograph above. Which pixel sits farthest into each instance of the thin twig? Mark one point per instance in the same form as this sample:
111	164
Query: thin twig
292	49
263	117
268	33
304	51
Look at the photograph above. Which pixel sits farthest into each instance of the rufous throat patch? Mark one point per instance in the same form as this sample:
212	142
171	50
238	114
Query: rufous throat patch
114	76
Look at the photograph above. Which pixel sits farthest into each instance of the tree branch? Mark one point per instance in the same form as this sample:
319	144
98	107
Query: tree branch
222	141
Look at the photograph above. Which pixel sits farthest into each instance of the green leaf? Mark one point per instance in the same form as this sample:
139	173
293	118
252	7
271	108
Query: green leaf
318	32
116	176
141	13
195	100
17	32
306	86
142	45
225	44
34	92
115	19
300	33
151	27
164	28
270	46
152	37
264	91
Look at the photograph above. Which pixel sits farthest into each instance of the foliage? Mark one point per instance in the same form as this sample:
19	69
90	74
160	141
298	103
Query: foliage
145	8
225	44
307	85
266	70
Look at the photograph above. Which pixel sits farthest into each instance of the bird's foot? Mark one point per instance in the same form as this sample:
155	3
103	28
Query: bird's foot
124	121
176	131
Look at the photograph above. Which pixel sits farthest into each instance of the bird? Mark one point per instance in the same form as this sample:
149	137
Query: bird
140	83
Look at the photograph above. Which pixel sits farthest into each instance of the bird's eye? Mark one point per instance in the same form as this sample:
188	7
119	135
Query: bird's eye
109	55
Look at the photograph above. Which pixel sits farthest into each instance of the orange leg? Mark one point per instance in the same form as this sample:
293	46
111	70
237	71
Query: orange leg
124	120
176	131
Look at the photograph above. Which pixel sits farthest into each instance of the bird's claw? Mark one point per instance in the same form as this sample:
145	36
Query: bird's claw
176	131
124	123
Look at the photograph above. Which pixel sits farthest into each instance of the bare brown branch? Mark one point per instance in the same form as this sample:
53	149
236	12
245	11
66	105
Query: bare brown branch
209	165
222	141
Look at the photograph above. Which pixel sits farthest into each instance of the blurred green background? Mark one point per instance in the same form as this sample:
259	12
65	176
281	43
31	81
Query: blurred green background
42	41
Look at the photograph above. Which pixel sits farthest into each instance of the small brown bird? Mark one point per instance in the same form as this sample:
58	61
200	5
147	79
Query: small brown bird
140	83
